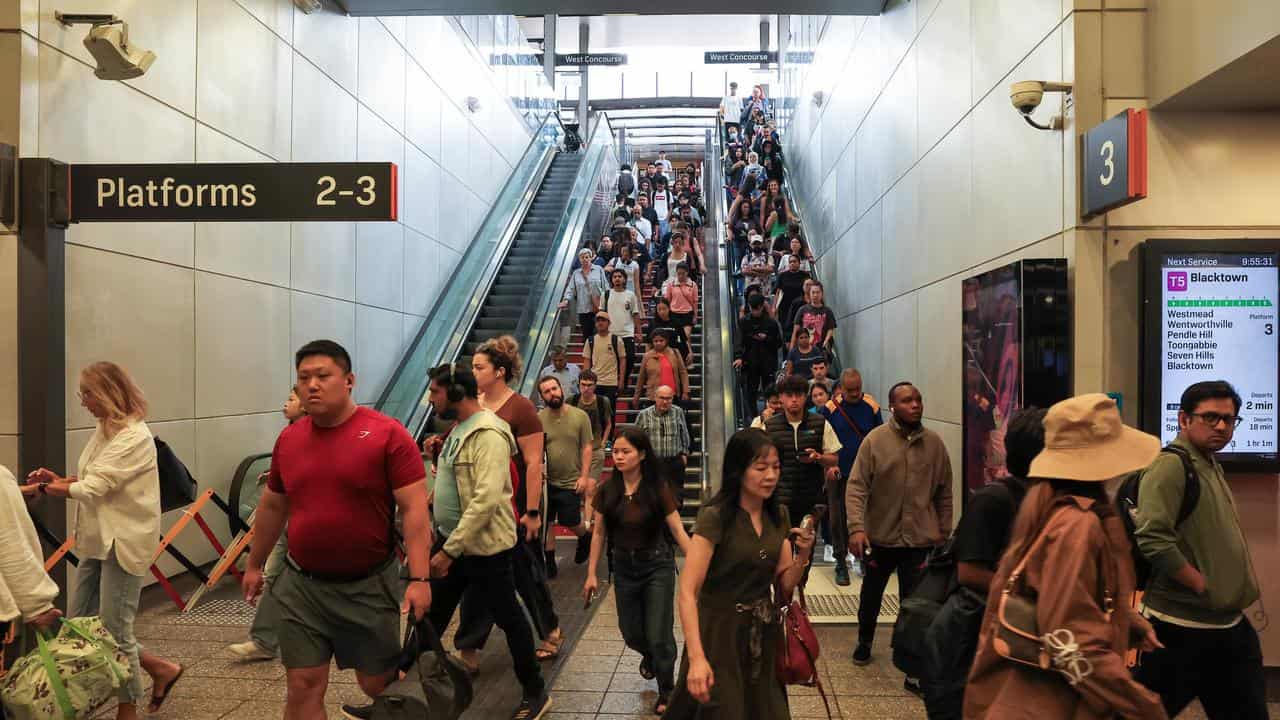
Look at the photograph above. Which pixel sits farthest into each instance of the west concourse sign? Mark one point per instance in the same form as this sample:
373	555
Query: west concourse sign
232	191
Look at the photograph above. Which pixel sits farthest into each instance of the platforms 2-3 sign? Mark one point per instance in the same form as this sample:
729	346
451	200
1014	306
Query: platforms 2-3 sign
232	191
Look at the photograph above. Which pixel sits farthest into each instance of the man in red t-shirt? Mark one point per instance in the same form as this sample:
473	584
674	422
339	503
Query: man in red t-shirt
337	477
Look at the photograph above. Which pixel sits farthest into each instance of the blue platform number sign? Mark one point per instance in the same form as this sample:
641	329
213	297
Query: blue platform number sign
1115	162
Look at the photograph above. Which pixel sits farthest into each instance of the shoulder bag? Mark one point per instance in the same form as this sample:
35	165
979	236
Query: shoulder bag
435	685
797	660
1018	636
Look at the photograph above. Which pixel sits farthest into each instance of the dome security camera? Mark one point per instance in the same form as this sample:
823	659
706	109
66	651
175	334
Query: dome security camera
1027	95
108	43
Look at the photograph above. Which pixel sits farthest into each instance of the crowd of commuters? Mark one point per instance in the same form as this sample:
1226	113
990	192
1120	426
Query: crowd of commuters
474	536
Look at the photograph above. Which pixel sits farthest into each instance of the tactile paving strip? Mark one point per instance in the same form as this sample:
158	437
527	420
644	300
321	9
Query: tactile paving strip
847	605
216	612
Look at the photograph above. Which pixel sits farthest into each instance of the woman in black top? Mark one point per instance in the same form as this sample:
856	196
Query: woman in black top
635	510
790	288
662	320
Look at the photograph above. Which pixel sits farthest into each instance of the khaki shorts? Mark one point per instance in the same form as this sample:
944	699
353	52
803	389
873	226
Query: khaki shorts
355	623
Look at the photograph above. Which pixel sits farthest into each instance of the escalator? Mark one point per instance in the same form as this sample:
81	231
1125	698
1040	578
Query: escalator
509	296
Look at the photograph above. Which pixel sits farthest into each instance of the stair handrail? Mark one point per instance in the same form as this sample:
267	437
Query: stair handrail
714	196
540	320
441	337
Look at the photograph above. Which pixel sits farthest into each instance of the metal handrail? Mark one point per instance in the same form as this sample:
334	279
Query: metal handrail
411	408
797	207
542	316
713	195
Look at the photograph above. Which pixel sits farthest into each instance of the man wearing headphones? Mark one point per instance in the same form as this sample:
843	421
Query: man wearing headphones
475	528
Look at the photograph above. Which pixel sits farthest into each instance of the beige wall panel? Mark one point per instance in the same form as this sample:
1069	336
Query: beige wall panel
381	86
332	42
1124	54
1004	31
946	205
944	70
899	346
380	265
9	454
242	345
245	82
378	337
903	247
275	14
323	259
940	360
312	317
137	313
324	116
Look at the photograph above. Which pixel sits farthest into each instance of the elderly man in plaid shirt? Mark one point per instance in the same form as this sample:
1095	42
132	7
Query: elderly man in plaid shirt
664	422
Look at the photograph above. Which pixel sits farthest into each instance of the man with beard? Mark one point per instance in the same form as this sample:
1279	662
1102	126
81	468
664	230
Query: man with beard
568	447
1202	577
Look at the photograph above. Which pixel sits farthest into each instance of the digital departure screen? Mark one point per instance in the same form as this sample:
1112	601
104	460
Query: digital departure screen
1217	318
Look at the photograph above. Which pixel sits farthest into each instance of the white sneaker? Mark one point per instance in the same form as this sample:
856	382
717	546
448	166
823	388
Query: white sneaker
249	651
828	554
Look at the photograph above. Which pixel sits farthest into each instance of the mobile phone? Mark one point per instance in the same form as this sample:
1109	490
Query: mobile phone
590	599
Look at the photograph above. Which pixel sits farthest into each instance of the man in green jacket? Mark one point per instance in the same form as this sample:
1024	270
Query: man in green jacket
1201	574
475	526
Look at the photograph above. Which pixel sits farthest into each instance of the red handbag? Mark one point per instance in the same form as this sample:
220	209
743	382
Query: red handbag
797	661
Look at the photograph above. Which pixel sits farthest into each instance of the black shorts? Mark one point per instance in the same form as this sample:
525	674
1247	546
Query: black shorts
564	507
682	320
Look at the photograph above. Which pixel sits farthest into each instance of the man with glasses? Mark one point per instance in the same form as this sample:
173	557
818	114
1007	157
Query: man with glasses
1202	577
665	423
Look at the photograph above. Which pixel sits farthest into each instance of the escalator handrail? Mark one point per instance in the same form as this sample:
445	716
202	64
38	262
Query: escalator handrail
741	414
237	524
541	319
713	195
412	409
793	202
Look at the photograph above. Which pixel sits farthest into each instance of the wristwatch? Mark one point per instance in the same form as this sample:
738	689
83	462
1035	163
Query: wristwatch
535	514
43	488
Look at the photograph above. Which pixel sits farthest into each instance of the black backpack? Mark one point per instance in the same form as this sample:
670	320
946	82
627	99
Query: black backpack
1127	506
917	611
177	486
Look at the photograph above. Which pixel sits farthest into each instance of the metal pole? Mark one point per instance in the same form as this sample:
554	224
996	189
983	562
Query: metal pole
584	44
42	355
549	48
764	41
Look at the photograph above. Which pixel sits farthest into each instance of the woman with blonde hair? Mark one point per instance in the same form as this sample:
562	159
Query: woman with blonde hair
117	488
1069	560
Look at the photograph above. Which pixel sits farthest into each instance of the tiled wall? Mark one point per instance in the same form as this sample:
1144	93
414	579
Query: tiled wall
916	172
207	316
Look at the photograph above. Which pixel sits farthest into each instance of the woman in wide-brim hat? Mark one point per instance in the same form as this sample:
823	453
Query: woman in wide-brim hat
1078	571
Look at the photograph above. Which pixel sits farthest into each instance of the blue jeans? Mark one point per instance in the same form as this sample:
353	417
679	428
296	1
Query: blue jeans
644	589
104	589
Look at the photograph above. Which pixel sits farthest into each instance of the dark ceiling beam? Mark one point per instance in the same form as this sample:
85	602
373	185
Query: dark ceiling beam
603	7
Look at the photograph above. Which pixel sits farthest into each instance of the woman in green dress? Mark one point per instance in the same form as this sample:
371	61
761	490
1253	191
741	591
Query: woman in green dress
740	554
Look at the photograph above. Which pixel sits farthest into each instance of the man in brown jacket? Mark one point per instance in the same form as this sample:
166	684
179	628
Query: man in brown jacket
898	504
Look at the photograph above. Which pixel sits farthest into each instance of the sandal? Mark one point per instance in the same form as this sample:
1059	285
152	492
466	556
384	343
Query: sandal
660	707
646	671
158	700
550	648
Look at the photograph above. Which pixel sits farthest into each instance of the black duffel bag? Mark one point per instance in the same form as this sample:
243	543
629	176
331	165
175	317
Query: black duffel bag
177	487
435	686
916	612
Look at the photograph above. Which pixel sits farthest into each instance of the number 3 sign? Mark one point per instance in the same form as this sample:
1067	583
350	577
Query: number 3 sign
1115	162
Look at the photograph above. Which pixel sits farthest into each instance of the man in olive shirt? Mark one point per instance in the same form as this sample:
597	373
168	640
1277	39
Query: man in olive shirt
568	449
898	504
1202	577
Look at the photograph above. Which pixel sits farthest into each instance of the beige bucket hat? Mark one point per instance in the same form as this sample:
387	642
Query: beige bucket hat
1085	440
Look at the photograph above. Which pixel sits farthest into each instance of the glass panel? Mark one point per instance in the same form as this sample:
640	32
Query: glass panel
447	324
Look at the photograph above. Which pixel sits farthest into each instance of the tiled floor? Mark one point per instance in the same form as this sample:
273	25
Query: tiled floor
597	678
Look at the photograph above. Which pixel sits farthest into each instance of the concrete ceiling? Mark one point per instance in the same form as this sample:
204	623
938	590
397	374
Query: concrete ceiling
1251	82
600	7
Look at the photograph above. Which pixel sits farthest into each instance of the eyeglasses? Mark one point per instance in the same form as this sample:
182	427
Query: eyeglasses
1212	419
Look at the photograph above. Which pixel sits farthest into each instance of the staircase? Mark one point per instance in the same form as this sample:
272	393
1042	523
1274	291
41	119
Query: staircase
625	413
512	289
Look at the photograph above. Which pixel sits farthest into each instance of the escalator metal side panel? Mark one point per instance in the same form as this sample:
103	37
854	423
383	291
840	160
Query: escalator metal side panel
411	408
719	380
589	199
